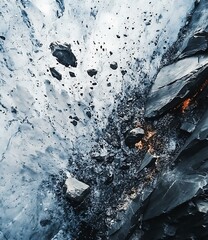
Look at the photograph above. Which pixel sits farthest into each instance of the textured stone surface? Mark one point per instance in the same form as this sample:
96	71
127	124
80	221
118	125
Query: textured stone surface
175	83
75	189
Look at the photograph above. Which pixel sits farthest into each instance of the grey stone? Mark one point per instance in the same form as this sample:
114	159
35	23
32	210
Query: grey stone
188	127
76	190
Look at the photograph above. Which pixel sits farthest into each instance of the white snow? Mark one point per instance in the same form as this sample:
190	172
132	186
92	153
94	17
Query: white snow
38	140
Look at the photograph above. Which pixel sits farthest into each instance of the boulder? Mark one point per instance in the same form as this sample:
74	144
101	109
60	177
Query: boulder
76	190
63	54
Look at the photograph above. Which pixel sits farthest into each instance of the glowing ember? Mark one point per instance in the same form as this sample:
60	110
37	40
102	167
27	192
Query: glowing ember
139	145
185	104
150	134
204	85
150	149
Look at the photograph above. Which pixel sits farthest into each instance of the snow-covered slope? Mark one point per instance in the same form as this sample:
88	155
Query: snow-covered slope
45	122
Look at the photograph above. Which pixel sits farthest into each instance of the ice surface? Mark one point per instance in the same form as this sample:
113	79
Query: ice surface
36	135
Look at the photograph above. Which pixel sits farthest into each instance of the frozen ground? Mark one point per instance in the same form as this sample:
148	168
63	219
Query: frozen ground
37	136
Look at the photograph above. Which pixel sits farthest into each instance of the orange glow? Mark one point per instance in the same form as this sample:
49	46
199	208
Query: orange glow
204	85
185	104
150	149
150	134
139	145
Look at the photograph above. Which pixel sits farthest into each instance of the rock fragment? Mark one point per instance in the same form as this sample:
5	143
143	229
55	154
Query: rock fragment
76	190
92	72
187	127
114	65
148	160
55	73
134	136
63	54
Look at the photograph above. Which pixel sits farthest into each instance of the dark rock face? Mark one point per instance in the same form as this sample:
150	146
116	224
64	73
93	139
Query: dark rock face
196	44
195	39
56	74
187	179
175	83
148	160
63	54
134	136
92	72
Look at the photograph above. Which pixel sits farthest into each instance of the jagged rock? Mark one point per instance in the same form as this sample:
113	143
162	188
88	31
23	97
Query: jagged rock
188	127
175	83
134	136
63	54
92	72
127	219
114	65
76	190
72	74
148	160
196	44
195	39
180	184
56	74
